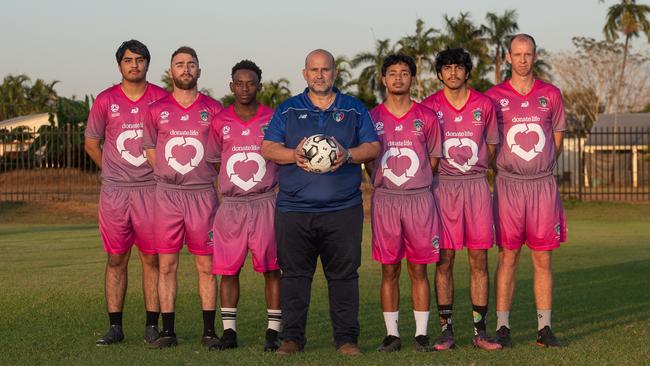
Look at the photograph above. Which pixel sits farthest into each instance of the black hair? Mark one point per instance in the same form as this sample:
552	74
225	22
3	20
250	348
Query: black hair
524	36
133	46
188	50
247	65
395	59
454	56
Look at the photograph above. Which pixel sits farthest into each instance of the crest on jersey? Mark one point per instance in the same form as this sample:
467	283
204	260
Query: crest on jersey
418	124
338	116
477	115
210	236
436	243
115	108
543	102
204	116
379	126
264	128
504	102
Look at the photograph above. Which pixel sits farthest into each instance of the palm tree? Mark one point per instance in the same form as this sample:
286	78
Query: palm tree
421	46
344	74
369	79
166	81
628	18
13	96
497	31
274	92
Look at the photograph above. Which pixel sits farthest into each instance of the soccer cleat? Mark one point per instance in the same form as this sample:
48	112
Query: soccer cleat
166	340
483	342
422	344
114	335
545	338
445	341
271	340
228	340
210	341
151	333
390	344
503	337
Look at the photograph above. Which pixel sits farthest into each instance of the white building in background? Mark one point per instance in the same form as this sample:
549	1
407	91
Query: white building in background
31	123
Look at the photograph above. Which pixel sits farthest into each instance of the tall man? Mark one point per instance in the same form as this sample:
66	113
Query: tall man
405	221
126	198
528	207
245	217
320	214
469	129
175	135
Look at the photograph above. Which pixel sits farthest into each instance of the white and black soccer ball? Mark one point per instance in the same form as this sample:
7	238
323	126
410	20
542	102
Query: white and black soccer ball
320	151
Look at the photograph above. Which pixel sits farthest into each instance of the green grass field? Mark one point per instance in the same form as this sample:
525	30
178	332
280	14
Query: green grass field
51	298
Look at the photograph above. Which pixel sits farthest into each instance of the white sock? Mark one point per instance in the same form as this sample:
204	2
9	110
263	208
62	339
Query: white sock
421	322
275	319
229	318
391	319
503	319
543	318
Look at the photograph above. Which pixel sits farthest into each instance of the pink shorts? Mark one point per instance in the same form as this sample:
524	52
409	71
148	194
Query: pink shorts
465	212
244	223
125	218
405	224
528	211
184	216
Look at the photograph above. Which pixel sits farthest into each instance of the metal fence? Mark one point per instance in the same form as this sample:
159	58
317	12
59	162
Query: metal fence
50	164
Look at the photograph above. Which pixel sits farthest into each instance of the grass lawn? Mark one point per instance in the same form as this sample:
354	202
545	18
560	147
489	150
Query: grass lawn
51	296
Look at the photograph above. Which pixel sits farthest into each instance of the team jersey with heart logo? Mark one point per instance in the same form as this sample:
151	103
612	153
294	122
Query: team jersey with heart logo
407	143
465	133
236	145
180	136
118	121
526	125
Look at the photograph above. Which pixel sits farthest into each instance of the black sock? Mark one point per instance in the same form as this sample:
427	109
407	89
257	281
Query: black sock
479	313
152	318
115	318
208	322
445	312
168	323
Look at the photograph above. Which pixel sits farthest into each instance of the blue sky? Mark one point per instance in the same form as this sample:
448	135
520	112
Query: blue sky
74	41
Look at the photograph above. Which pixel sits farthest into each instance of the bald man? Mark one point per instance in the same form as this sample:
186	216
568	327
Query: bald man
320	214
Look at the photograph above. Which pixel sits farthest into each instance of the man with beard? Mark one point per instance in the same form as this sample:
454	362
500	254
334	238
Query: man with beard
405	222
528	207
469	130
245	217
127	193
175	135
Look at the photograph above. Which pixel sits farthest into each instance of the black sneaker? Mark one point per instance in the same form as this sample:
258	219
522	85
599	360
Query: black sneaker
114	335
165	340
545	338
210	341
422	344
390	344
228	340
503	337
151	333
271	340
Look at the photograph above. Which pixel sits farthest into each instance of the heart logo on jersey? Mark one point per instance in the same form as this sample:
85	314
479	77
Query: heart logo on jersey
120	143
398	153
460	143
183	142
246	157
526	128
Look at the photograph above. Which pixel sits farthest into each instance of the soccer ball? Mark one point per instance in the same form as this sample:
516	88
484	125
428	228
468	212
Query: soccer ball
320	151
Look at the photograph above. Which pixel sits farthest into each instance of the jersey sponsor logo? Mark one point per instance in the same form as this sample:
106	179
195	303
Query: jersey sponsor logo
124	152
418	124
526	128
460	143
184	142
458	119
185	117
525	104
410	171
204	116
135	110
246	132
257	177
399	128
338	116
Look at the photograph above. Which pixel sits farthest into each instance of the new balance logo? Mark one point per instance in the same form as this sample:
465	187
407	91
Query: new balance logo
302	116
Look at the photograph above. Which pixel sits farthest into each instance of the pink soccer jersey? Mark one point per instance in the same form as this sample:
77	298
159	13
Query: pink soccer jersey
526	126
118	121
465	133
179	136
406	145
236	145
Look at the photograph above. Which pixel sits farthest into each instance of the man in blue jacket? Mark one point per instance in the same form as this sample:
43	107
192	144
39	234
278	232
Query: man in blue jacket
320	214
